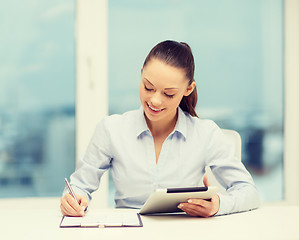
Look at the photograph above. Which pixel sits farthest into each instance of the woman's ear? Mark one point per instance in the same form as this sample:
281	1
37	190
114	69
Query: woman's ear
141	69
190	89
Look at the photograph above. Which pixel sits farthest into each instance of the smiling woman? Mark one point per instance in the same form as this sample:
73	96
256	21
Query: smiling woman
161	145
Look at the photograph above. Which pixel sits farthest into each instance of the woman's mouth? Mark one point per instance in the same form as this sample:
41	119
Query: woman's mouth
154	110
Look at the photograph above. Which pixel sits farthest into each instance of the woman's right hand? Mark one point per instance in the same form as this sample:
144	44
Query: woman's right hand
70	207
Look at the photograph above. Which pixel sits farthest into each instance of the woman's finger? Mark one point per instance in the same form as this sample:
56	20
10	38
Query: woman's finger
67	208
83	202
71	207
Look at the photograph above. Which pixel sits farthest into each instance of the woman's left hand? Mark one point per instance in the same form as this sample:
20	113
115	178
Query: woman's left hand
200	207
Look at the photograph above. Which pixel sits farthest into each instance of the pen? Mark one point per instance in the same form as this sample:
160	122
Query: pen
71	190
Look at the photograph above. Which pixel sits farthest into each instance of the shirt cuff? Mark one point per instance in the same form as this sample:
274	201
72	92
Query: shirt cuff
226	204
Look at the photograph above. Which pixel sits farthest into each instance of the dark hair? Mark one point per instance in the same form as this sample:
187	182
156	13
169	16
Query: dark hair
179	55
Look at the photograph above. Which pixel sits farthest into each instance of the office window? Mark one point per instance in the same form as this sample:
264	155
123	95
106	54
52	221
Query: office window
238	50
37	97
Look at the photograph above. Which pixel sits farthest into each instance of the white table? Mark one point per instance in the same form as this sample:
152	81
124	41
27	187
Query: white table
39	218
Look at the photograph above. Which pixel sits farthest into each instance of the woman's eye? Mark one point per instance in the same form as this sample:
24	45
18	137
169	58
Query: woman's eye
170	96
147	89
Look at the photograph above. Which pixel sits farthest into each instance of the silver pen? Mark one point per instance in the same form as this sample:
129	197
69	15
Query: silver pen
71	190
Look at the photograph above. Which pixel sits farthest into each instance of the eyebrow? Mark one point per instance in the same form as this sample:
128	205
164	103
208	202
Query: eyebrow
164	88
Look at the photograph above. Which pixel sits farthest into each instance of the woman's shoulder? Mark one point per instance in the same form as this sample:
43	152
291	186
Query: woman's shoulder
202	128
120	120
120	117
200	123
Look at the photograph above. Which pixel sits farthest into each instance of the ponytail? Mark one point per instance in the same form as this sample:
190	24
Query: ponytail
188	103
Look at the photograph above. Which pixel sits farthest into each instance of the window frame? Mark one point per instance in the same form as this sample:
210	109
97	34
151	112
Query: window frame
91	78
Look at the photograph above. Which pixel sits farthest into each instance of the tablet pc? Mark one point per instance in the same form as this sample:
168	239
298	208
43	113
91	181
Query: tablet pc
167	200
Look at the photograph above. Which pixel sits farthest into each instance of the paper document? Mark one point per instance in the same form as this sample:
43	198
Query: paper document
106	219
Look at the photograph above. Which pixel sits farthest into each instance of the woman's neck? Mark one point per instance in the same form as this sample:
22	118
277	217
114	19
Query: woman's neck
162	128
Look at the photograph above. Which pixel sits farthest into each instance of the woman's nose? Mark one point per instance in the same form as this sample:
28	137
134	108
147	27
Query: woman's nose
156	100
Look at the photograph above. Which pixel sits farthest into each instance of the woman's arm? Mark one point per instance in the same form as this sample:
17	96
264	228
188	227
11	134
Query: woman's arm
89	170
241	193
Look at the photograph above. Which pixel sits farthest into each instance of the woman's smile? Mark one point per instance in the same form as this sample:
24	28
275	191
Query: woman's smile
154	110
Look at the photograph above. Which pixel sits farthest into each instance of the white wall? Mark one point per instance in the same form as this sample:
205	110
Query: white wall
291	159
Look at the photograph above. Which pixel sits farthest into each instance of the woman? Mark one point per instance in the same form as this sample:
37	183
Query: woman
163	144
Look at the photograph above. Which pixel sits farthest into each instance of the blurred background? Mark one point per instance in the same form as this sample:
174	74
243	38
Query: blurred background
37	96
238	50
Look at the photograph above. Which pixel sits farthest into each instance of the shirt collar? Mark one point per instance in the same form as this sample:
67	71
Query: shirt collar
181	124
141	126
180	127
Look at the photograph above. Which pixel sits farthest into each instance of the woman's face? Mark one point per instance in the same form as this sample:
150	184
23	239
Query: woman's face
161	90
